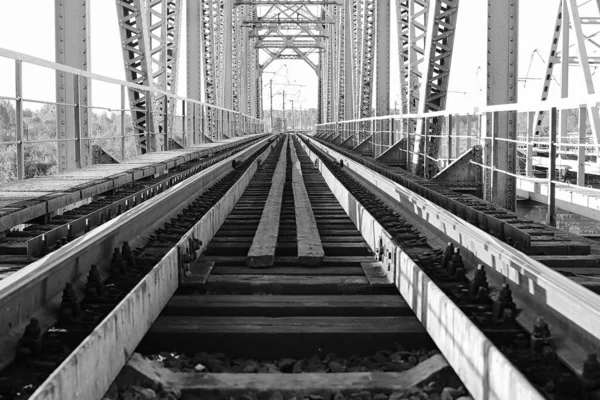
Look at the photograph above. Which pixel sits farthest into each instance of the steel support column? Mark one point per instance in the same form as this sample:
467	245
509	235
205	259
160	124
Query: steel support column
348	64
72	35
195	67
227	54
382	76
503	25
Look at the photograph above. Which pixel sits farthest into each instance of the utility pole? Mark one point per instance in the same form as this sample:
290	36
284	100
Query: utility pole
284	120
293	125
301	121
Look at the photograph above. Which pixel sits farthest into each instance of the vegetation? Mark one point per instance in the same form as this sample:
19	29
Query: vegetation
39	125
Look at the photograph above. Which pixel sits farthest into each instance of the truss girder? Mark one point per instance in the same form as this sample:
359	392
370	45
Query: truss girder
150	41
368	58
441	27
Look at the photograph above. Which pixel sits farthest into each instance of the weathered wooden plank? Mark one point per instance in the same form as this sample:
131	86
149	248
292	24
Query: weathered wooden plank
340	270
264	337
232	385
287	260
292	284
262	251
310	248
287	305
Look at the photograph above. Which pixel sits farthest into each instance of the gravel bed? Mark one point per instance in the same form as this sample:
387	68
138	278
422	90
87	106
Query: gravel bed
383	360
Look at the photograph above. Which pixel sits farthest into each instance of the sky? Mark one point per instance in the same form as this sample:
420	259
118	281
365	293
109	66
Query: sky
467	80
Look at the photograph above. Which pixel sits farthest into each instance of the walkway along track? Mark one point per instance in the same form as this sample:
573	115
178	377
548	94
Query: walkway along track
21	247
253	325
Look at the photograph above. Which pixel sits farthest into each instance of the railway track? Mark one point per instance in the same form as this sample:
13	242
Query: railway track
20	247
264	283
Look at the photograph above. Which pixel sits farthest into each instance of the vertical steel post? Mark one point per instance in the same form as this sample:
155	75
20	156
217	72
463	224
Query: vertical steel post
19	119
227	56
72	36
149	137
122	127
581	150
493	119
551	215
165	123
77	121
382	75
469	128
194	124
456	134
564	83
530	137
183	124
195	49
449	122
425	147
502	84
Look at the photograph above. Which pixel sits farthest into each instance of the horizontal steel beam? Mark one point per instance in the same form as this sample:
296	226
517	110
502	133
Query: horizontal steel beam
286	22
288	2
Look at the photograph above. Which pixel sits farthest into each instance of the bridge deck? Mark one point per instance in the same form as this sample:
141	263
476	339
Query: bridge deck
32	198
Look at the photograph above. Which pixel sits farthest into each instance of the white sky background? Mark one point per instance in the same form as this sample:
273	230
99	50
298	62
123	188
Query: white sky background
30	30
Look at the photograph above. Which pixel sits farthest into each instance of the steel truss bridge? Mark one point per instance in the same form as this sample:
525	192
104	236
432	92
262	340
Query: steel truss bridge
456	172
347	44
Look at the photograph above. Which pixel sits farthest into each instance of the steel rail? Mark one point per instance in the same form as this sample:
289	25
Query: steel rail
90	369
481	366
36	288
571	310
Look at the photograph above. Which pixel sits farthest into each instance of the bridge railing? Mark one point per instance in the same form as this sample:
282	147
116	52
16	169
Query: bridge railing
25	152
392	138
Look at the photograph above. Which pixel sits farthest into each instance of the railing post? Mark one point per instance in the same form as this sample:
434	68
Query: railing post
166	123
77	120
551	216
122	128
19	119
469	128
456	135
194	128
494	146
148	113
183	124
529	150
449	121
425	148
581	151
408	153
392	134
